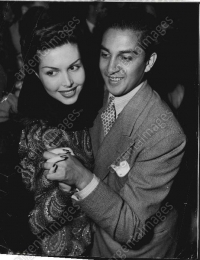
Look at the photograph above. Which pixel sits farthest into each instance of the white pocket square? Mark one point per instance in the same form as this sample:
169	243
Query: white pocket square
122	169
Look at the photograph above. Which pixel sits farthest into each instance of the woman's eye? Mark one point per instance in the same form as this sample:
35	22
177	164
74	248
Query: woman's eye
75	67
104	55
51	73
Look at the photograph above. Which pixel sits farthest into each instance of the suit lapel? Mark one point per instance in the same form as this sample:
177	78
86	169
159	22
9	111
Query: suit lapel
107	152
95	134
95	131
120	137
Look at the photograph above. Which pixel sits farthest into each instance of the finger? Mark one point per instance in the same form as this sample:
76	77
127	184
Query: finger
58	158
54	176
45	172
52	161
48	155
53	168
61	150
57	151
47	165
64	186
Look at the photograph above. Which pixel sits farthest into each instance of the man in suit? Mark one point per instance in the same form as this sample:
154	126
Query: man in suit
138	147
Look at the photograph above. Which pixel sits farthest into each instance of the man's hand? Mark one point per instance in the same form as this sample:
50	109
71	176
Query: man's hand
69	171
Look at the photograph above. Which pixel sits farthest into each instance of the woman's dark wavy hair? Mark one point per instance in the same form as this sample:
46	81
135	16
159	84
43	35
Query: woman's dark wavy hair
41	30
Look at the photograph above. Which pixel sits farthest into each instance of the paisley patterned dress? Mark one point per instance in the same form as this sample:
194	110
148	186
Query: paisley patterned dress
61	228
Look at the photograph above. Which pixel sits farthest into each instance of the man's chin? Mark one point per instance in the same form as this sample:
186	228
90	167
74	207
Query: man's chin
115	91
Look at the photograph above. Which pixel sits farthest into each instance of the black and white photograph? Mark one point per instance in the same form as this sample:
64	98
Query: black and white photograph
99	129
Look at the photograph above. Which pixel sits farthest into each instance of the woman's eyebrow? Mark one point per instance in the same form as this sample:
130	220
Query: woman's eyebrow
49	67
74	62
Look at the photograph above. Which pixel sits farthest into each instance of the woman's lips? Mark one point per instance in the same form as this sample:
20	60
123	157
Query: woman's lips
68	93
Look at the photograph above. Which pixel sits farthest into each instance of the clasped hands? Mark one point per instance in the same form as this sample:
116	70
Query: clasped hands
66	169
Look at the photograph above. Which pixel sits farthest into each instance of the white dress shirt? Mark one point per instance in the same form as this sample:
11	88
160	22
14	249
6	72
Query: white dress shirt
121	102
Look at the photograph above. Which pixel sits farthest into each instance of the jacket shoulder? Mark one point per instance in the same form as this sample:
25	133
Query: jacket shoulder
157	121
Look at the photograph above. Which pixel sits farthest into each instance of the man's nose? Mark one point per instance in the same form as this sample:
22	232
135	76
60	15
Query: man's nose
66	80
112	66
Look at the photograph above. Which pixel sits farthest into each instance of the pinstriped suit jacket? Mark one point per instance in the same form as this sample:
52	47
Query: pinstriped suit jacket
133	215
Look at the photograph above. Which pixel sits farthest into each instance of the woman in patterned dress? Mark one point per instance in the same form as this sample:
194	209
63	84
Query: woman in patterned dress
57	103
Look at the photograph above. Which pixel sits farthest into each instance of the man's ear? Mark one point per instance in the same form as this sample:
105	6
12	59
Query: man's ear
151	62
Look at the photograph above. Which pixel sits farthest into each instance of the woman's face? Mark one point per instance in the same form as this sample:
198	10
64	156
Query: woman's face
61	73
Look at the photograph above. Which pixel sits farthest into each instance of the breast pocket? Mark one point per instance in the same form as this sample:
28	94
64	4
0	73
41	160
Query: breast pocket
119	174
122	169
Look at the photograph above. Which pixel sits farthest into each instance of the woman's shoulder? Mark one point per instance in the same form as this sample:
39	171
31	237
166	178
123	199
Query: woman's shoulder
32	126
40	131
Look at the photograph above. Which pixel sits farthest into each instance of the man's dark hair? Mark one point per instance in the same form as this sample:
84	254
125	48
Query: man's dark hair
139	21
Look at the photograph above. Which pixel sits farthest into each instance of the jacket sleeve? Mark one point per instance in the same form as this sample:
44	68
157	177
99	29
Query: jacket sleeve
123	214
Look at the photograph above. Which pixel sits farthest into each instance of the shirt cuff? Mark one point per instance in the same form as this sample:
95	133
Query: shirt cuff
82	194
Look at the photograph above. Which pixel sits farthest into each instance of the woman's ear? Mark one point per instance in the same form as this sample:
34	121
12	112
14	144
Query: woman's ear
151	62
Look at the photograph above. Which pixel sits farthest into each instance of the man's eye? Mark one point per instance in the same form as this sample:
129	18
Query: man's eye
104	55
75	67
51	73
126	58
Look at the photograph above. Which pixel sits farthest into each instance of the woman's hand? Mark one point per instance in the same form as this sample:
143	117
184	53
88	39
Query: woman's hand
60	151
64	187
68	170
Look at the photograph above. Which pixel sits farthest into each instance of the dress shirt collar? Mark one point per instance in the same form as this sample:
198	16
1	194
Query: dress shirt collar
121	102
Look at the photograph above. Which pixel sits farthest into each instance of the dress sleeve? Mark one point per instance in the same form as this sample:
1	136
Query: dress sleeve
50	201
48	209
30	154
62	226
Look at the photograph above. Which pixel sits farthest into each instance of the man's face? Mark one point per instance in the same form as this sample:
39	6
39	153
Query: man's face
121	66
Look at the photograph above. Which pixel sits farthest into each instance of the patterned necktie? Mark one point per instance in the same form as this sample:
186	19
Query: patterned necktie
108	116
